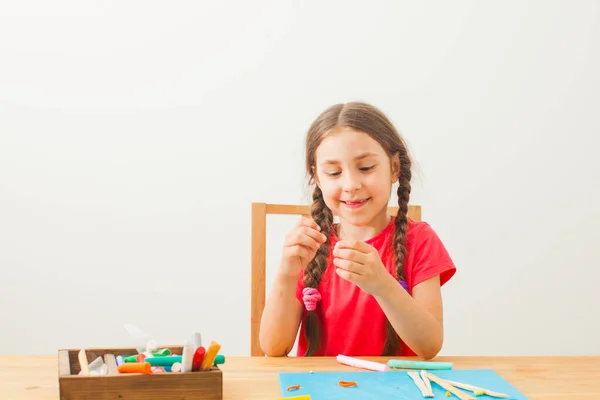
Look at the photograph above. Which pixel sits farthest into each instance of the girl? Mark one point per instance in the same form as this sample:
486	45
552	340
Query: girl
370	284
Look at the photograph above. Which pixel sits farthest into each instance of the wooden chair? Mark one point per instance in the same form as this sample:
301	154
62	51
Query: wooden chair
259	249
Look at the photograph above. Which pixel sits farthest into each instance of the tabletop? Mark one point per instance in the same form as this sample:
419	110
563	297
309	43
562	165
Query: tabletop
253	378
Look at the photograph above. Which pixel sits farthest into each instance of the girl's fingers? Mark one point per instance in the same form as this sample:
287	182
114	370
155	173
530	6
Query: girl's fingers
301	251
349	276
350	255
300	239
349	266
357	245
316	235
308	222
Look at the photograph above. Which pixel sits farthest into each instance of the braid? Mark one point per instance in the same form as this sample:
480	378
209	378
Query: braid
323	216
392	341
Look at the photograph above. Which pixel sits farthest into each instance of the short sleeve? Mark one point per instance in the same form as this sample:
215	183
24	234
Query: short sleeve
430	257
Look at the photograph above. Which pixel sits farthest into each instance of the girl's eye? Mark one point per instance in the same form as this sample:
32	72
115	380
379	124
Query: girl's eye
333	173
366	168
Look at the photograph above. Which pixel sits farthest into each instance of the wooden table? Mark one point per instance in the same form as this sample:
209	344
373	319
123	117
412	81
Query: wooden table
552	378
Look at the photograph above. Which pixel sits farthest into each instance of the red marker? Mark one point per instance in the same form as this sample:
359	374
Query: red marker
198	357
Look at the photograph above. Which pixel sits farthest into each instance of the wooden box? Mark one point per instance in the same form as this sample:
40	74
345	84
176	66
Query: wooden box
202	385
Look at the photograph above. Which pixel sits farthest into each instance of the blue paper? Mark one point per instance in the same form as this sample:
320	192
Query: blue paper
395	385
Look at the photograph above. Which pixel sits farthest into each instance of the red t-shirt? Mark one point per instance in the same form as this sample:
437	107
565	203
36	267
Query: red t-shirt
353	321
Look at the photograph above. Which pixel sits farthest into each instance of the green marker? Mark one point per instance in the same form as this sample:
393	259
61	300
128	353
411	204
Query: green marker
409	364
165	361
159	353
220	359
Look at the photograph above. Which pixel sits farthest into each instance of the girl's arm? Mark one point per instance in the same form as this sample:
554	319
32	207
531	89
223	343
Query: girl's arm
418	320
281	317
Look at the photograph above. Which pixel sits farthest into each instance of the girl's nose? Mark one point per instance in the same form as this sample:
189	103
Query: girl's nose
351	183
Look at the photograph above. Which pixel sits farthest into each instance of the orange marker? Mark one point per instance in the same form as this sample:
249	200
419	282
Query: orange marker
209	357
143	368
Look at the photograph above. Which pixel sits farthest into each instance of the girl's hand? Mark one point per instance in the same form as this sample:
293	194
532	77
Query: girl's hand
300	247
359	263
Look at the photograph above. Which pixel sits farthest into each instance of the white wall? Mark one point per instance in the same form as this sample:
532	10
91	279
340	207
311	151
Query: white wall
134	136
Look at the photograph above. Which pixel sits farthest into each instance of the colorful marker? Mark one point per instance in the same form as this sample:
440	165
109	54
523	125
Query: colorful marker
144	368
198	357
163	361
209	357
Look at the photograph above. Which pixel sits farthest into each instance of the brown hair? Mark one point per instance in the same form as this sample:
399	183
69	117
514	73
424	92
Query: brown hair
368	119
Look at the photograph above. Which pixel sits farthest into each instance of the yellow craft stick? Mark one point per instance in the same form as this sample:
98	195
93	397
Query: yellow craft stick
301	397
449	387
83	362
477	390
209	357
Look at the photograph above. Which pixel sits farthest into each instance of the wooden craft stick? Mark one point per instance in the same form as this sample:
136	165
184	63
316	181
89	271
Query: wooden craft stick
449	387
425	391
111	363
477	390
83	362
426	380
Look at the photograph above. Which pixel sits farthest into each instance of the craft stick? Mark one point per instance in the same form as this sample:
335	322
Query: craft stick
449	387
301	397
409	364
358	363
426	392
83	362
111	363
478	391
426	380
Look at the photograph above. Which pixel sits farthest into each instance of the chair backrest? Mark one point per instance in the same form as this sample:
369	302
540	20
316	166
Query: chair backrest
259	249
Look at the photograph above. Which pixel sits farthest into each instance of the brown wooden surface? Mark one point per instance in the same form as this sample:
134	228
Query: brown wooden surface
259	249
255	378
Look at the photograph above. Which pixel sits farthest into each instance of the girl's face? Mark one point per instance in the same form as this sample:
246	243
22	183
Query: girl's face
355	175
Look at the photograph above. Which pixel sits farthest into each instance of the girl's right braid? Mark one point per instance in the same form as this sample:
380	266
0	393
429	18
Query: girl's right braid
323	216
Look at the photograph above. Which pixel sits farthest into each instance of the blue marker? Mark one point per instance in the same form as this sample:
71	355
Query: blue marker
120	360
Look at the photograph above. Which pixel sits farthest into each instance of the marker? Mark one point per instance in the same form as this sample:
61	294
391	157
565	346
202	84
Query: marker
176	367
198	357
143	368
220	359
163	361
196	340
187	357
120	360
427	365
358	363
210	356
159	353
